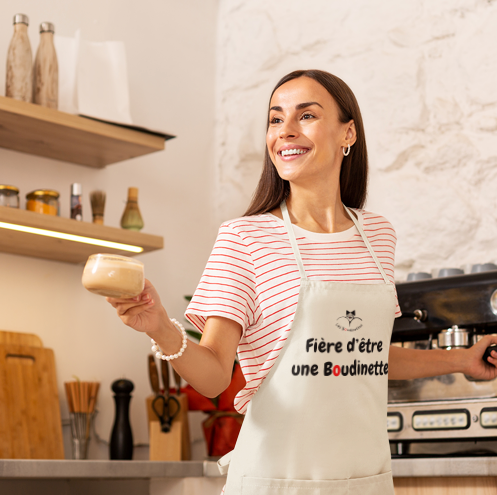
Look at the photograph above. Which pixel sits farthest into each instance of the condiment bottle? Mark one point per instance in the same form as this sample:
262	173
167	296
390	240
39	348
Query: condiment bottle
46	69
132	219
19	80
76	207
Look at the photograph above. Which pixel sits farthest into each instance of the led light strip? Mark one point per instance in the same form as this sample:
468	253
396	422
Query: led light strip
71	237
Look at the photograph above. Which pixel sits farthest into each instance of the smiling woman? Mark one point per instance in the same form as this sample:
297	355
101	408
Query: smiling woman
305	267
334	105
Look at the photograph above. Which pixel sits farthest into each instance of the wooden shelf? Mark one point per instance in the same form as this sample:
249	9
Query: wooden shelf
47	132
39	246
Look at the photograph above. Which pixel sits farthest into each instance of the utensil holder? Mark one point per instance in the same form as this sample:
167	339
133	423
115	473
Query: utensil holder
80	431
79	448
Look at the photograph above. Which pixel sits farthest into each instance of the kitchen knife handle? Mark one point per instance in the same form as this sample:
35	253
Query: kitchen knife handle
153	374
165	377
487	352
177	380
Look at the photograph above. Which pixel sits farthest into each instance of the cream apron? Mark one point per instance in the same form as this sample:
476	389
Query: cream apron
318	422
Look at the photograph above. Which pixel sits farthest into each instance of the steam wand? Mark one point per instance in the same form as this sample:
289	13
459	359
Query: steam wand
418	314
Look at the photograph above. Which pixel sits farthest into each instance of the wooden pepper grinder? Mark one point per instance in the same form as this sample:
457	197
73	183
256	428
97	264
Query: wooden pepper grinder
121	440
19	80
46	69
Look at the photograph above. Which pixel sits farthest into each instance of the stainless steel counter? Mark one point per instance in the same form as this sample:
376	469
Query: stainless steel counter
65	469
444	467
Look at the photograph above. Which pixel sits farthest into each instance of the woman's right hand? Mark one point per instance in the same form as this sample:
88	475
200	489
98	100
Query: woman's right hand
144	313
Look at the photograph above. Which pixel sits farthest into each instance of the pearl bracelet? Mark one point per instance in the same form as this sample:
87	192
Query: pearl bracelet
160	355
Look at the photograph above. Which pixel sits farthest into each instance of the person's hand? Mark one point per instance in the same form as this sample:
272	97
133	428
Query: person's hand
144	313
474	365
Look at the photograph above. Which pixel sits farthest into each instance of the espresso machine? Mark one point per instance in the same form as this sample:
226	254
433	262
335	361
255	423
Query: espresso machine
450	414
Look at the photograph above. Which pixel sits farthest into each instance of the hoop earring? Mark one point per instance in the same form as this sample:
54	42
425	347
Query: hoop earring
346	153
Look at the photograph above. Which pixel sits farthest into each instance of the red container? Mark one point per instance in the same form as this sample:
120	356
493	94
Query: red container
221	431
223	425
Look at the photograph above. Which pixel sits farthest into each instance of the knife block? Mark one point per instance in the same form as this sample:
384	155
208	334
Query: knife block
174	445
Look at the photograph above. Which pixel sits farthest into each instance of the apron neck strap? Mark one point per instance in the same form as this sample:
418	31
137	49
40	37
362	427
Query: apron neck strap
295	248
293	240
368	245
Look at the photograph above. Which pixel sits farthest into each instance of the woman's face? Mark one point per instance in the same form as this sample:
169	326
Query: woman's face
305	136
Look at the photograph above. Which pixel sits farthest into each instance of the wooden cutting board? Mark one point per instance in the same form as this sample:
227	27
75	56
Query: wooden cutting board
20	338
30	424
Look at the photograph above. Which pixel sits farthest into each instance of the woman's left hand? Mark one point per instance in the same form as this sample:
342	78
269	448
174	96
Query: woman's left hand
474	365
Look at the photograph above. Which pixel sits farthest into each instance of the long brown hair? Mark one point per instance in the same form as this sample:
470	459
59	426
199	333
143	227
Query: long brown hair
272	189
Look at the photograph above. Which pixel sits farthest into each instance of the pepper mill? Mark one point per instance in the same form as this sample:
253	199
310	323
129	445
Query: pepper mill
121	440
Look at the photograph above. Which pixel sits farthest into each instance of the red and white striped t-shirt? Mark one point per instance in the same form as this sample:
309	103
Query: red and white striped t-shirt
252	278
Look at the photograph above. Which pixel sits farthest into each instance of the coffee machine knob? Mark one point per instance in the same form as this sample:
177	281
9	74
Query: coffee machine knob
487	352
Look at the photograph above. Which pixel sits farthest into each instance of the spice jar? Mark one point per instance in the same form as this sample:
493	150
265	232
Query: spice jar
9	196
43	201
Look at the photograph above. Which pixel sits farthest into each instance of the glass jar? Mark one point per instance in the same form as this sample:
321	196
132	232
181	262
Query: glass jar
112	275
43	201
9	196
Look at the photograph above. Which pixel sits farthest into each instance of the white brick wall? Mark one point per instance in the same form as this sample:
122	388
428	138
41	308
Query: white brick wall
425	76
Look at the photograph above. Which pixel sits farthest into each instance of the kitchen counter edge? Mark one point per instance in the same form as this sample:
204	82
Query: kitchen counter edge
103	469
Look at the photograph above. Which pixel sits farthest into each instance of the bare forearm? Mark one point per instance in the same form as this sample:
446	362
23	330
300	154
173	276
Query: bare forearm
207	366
198	365
406	364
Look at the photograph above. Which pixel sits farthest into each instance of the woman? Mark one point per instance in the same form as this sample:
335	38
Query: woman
300	260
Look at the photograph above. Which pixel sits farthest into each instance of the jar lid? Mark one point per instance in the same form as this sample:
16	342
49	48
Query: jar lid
42	192
4	187
21	19
47	27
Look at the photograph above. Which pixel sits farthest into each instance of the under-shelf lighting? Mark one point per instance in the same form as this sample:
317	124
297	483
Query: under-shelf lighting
71	237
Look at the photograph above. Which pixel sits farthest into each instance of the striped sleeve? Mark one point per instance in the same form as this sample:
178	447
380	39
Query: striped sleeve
227	286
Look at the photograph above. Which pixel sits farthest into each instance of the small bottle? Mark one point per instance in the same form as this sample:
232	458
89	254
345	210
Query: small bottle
19	80
76	206
132	219
46	69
